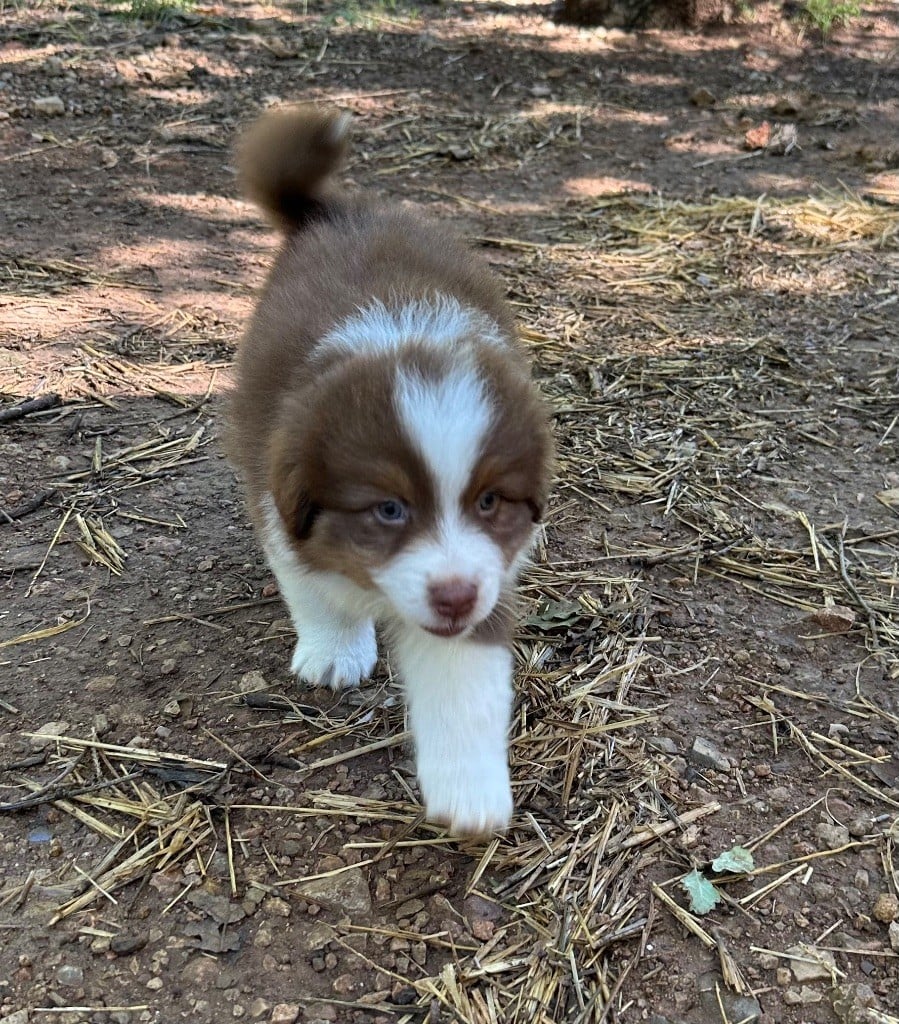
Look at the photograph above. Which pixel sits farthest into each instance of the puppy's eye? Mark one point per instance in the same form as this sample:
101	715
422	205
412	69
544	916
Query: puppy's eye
488	503
391	512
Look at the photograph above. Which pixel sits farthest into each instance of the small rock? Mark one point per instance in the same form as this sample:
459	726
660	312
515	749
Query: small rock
200	973
403	995
259	1007
276	907
285	1013
859	827
124	943
263	937
168	667
410	908
796	997
758	136
886	908
155	984
894	936
703	97
833	836
49	106
707	755
784	977
19	1017
851	1000
47	731
836	618
250	682
664	744
718	1000
344	984
318	936
811	964
808	995
347	891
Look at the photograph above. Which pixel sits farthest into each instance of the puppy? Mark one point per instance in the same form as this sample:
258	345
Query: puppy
395	455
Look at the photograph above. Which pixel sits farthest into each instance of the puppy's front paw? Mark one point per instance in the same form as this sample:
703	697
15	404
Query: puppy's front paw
469	799
338	658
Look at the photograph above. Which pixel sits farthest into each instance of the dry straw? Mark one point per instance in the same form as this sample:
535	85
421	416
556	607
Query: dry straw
654	363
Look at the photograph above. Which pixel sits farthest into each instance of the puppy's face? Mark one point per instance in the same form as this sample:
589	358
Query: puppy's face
419	476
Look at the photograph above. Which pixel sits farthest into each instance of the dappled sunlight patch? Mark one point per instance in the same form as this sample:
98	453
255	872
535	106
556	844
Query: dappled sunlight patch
209	206
603	185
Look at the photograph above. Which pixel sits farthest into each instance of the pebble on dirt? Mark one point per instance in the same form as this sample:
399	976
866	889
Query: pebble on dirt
707	755
811	964
285	1013
347	891
49	106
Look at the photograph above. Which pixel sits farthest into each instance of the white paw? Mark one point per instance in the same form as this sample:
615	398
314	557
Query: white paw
470	799
335	657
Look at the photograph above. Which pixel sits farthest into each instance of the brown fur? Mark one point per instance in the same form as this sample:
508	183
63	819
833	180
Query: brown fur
321	433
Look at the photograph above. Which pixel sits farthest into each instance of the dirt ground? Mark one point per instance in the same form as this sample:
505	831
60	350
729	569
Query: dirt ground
699	232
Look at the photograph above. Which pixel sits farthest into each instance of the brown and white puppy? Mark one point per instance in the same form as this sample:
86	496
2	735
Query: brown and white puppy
395	454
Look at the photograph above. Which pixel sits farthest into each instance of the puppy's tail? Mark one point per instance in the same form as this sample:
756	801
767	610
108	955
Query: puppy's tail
286	160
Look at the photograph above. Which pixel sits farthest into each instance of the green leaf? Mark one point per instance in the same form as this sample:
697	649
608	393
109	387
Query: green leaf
703	895
737	860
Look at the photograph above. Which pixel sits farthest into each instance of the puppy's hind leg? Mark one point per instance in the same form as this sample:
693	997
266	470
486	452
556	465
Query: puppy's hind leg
336	643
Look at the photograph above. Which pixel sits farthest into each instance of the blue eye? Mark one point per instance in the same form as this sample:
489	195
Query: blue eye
487	502
391	512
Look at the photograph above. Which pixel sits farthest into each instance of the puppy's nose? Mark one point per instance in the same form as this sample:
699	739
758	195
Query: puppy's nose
453	598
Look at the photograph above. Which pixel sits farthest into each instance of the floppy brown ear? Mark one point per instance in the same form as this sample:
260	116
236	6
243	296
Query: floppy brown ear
303	516
297	510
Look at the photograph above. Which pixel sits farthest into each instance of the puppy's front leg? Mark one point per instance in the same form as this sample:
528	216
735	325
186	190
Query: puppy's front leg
336	643
459	695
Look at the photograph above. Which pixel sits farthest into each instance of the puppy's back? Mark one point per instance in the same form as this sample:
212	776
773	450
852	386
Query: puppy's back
340	254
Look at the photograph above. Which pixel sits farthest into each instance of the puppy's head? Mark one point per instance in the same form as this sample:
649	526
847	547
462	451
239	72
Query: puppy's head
419	476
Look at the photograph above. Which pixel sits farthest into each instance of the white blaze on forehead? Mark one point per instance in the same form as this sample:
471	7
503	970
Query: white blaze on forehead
446	419
441	321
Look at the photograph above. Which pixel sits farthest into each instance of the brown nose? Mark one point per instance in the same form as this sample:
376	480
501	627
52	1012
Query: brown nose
453	598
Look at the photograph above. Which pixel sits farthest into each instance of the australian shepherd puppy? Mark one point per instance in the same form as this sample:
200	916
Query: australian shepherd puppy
395	455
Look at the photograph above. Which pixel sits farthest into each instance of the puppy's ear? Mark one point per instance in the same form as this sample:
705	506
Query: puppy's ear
289	487
298	511
304	515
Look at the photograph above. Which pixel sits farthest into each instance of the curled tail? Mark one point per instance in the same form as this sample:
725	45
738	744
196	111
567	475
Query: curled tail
286	160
